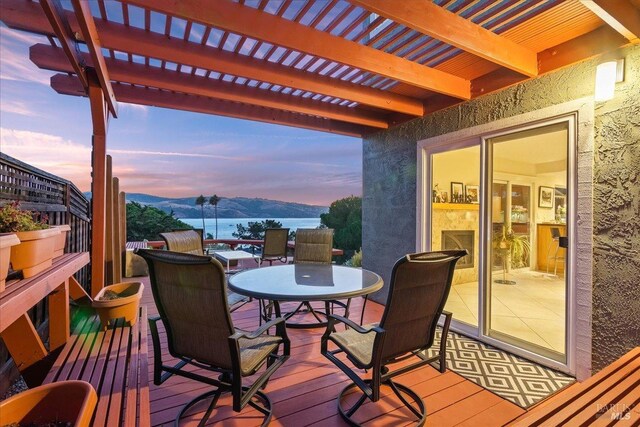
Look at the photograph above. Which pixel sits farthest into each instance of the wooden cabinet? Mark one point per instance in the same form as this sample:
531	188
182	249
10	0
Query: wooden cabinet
547	247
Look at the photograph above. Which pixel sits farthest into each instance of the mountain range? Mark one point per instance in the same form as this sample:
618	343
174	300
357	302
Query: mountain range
233	207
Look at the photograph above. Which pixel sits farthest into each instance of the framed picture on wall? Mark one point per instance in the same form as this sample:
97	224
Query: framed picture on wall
472	194
457	192
545	197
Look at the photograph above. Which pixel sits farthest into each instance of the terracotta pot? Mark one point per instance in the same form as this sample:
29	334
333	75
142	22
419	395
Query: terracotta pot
126	306
6	242
61	240
68	401
34	252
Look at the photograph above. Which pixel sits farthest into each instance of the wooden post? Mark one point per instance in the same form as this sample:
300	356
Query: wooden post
99	117
23	343
123	231
59	316
109	276
117	256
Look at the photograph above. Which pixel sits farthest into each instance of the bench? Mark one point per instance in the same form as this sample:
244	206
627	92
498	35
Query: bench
612	396
114	362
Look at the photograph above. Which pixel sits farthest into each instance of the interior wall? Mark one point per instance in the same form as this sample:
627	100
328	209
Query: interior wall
389	189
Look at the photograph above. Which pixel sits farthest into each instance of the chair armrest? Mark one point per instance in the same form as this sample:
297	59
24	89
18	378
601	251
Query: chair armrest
352	324
261	330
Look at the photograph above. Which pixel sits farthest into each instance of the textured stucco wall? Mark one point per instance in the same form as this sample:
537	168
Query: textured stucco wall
616	287
389	178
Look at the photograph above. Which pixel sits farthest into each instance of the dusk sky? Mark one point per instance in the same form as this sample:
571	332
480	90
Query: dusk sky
166	152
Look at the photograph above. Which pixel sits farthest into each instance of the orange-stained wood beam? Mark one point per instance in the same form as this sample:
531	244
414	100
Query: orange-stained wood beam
621	15
23	342
99	117
59	319
250	22
90	34
27	16
57	18
428	18
52	58
69	85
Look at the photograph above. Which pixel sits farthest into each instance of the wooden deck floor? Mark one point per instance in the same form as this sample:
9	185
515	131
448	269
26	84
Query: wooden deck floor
303	391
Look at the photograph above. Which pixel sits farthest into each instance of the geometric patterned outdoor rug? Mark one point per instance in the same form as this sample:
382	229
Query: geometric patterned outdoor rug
510	377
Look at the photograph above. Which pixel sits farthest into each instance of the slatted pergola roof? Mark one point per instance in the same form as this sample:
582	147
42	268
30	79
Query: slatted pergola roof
348	67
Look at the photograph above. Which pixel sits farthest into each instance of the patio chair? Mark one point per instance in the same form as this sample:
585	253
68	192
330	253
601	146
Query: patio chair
274	247
313	246
185	241
190	242
191	296
418	291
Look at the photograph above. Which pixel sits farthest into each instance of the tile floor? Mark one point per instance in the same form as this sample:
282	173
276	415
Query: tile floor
532	310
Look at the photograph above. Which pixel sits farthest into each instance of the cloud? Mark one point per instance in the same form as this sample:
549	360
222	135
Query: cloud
51	153
140	109
17	107
16	66
172	154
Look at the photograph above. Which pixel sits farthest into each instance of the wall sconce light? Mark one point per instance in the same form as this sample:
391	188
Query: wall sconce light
607	75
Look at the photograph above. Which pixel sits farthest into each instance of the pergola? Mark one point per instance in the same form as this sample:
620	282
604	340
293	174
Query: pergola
347	67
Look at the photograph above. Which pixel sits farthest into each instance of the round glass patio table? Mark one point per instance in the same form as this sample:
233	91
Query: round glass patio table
305	282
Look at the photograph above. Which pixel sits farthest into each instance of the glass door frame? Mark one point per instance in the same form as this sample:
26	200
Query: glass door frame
468	138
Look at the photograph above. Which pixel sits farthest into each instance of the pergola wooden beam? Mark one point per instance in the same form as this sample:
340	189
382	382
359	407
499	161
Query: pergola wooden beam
27	16
260	25
435	21
52	58
57	19
69	85
621	15
90	34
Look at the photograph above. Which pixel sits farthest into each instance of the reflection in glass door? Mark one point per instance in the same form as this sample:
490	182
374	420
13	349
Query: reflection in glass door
527	286
455	224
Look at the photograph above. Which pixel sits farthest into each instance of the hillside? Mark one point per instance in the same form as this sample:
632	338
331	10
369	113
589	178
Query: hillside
235	207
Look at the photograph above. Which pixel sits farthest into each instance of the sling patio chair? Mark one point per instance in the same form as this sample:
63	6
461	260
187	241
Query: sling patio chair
274	247
418	291
190	242
190	293
313	246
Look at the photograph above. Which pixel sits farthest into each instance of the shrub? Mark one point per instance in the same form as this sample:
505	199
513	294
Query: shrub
12	219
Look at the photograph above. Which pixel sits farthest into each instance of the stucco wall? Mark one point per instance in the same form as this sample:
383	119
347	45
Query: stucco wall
389	181
616	287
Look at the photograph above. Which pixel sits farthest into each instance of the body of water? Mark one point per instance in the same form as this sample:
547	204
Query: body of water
227	226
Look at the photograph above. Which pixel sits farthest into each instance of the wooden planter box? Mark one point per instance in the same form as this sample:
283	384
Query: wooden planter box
69	401
6	242
35	251
126	306
61	240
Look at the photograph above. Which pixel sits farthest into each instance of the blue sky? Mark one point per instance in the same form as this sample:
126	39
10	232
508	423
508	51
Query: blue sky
166	152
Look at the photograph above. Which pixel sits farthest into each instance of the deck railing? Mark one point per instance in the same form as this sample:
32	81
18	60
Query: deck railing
62	203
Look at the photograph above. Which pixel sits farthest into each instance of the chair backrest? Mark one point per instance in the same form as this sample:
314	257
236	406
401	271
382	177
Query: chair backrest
418	291
275	243
185	241
313	246
191	297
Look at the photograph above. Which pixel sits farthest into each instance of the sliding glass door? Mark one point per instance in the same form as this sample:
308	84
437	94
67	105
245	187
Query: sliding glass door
506	198
527	287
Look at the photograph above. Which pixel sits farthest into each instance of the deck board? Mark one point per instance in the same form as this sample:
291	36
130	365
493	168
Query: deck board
304	390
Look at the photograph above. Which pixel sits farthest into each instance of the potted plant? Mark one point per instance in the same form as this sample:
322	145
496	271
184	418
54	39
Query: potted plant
118	300
59	403
7	240
513	249
34	252
61	240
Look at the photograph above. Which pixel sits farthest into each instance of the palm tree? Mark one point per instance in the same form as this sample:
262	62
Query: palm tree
214	202
200	201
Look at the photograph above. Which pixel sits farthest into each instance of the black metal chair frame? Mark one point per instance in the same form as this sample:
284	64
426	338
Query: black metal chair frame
228	380
381	375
